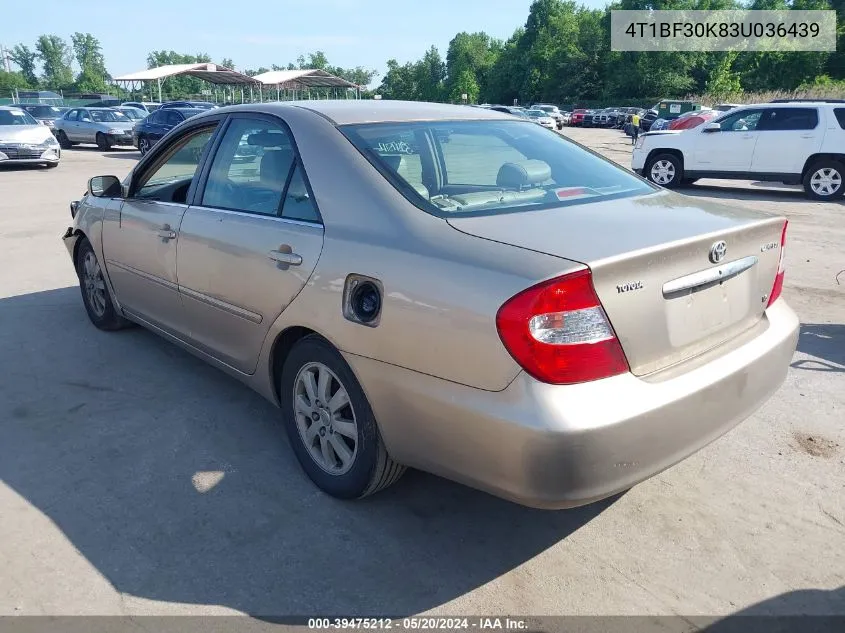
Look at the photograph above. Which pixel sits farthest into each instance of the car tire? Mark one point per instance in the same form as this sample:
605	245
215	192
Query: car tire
824	180
102	142
64	141
347	464
665	170
144	145
95	292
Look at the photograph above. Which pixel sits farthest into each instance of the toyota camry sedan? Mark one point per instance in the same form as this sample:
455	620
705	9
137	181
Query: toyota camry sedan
445	288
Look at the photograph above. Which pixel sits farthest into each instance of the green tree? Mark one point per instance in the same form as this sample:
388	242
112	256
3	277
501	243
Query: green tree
471	54
465	84
9	82
27	60
88	52
56	58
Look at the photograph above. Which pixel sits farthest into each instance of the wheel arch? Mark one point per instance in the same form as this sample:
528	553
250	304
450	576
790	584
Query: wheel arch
656	152
814	158
281	348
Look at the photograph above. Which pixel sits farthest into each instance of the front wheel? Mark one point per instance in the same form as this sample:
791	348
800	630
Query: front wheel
64	141
330	424
95	294
102	142
144	145
823	180
665	170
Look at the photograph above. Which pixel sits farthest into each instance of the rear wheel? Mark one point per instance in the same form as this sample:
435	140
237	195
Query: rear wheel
64	141
330	424
823	180
665	170
103	142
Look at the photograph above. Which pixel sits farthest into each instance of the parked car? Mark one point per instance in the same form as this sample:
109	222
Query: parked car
577	117
44	114
647	119
793	143
566	118
104	126
201	105
553	361
693	119
149	106
510	110
660	124
552	111
23	140
151	130
132	113
541	118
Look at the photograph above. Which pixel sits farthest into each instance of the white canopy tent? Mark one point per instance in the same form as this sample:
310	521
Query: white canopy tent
212	73
299	81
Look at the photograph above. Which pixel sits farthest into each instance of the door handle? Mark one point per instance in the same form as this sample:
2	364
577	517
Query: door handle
166	234
808	136
292	259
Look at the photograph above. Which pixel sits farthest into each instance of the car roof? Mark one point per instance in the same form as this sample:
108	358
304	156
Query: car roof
346	112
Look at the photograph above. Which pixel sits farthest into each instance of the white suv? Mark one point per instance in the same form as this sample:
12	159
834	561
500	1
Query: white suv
793	142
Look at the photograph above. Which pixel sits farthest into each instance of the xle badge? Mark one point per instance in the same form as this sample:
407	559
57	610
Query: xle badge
634	285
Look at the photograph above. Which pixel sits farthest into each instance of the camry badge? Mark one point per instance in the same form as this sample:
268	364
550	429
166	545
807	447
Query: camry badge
718	251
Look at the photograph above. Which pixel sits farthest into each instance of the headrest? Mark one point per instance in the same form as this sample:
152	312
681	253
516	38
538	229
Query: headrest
523	174
275	165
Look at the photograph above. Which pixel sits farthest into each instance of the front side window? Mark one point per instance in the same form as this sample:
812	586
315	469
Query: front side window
251	168
172	117
744	121
170	180
487	167
781	119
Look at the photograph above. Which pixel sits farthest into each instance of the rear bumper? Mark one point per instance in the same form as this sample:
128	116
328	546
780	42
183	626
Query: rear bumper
554	447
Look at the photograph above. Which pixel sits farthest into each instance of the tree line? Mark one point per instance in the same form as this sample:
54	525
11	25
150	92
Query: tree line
561	54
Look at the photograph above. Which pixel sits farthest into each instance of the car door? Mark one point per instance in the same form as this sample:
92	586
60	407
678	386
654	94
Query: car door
787	137
85	127
249	242
140	242
731	148
69	125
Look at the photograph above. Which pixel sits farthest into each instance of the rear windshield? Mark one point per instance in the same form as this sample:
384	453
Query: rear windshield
489	167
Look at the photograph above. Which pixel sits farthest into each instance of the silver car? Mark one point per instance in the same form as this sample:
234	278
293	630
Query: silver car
24	140
105	127
443	287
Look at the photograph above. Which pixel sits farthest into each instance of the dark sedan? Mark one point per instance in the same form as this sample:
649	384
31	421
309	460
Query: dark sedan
202	105
149	131
45	114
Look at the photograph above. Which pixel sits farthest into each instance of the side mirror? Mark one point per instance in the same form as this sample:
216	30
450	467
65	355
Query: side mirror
105	187
712	127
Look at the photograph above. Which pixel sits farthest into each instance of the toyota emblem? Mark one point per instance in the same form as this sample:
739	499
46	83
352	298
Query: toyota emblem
718	251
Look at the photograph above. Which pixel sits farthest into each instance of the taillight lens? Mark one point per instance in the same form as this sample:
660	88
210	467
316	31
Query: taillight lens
777	288
558	332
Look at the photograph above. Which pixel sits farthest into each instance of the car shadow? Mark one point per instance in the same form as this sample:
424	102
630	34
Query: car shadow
825	342
176	483
810	611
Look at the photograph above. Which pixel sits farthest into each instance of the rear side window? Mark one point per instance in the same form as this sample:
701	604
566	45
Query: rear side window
782	119
489	166
173	118
840	116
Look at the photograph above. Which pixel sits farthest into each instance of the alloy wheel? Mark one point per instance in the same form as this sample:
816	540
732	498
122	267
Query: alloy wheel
826	181
325	418
94	284
662	172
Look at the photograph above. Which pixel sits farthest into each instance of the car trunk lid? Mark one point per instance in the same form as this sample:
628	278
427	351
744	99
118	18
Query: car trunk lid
667	298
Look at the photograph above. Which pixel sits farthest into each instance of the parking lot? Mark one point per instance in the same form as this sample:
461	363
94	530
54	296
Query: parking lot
135	479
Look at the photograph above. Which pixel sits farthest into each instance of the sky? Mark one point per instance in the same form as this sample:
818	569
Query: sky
258	33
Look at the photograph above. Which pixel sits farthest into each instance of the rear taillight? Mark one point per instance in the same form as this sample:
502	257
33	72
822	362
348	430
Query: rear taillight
777	288
558	332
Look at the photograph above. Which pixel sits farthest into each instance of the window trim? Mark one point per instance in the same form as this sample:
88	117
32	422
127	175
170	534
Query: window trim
202	181
731	114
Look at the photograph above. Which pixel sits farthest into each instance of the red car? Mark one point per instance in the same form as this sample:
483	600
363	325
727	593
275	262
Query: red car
577	117
693	119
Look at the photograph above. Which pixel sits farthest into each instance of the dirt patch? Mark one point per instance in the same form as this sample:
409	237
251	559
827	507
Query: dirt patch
816	445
